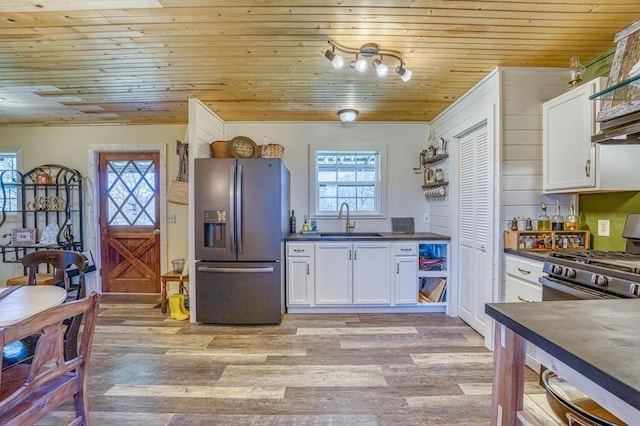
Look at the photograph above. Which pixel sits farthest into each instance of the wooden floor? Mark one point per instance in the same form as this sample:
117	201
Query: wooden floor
319	369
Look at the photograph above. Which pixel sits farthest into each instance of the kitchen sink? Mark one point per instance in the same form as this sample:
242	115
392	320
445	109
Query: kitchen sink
350	234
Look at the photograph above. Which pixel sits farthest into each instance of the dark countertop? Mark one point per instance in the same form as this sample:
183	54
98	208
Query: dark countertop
596	338
533	255
386	236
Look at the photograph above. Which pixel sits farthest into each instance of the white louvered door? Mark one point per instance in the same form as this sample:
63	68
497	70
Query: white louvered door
475	228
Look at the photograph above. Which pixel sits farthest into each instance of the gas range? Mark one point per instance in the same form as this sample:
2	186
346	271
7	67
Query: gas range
612	274
595	274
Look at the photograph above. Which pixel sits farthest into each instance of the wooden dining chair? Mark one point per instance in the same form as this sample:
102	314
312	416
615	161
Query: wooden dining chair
61	261
29	391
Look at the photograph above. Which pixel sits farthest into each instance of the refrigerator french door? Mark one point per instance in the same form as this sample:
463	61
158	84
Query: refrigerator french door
241	217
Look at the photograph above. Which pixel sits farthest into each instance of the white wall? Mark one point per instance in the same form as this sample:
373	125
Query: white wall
69	145
404	142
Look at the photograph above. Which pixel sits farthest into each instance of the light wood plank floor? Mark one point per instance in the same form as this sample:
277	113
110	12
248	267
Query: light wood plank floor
320	369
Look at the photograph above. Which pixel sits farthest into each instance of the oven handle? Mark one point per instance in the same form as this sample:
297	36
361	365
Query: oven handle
568	289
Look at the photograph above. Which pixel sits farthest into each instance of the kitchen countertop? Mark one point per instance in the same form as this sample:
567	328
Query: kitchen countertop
596	338
386	236
533	255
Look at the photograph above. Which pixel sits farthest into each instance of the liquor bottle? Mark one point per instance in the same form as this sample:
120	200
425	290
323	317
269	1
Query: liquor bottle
557	221
292	222
571	221
544	223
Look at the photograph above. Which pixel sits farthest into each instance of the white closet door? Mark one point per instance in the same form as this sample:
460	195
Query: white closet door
475	227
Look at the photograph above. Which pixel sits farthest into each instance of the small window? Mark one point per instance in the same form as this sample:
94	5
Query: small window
9	193
353	177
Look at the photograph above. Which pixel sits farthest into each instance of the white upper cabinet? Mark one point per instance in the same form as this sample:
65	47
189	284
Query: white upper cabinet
571	162
568	123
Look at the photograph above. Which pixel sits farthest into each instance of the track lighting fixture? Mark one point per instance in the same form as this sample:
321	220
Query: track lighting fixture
348	115
360	63
336	60
404	73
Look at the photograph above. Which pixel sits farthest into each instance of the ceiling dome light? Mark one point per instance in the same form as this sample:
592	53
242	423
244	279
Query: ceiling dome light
336	60
404	73
348	115
381	69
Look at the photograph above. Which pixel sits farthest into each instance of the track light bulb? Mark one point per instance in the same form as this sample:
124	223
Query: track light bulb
381	69
361	65
404	73
336	60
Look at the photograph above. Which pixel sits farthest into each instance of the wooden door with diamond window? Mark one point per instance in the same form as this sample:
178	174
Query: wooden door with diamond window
129	222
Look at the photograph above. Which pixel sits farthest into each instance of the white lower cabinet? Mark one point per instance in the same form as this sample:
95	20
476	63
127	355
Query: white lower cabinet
334	272
405	273
300	274
521	285
362	276
352	273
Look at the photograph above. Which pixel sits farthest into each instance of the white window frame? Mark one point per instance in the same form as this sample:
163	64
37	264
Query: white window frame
381	187
12	214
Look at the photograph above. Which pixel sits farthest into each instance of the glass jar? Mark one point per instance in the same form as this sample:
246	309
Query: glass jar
571	221
544	223
557	221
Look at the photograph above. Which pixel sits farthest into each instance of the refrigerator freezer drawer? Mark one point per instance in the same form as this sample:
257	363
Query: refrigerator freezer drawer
239	293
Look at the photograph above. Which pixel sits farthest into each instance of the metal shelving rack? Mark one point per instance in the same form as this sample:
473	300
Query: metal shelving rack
47	194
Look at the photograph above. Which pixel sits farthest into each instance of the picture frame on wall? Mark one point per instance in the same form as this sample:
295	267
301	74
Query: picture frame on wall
626	98
23	236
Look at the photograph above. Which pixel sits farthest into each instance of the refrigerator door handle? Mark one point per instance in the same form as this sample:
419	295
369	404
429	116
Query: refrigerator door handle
239	212
232	212
235	270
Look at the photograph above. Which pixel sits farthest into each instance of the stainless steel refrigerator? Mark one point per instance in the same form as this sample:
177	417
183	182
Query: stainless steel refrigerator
241	218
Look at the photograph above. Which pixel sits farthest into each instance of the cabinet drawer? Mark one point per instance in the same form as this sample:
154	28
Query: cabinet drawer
525	269
405	249
517	290
299	249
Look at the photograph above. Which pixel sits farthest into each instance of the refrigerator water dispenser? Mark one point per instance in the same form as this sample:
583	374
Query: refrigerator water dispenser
215	222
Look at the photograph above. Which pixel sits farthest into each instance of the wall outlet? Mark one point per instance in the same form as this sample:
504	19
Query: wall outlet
171	218
425	218
603	227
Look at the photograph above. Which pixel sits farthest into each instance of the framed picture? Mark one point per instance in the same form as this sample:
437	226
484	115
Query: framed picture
626	99
23	236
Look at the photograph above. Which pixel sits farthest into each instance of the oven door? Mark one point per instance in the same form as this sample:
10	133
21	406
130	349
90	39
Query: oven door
554	289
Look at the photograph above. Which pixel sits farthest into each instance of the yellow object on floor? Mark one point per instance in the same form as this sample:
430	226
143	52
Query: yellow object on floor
176	305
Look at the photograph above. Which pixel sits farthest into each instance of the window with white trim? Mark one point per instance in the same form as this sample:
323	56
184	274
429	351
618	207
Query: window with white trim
9	193
354	177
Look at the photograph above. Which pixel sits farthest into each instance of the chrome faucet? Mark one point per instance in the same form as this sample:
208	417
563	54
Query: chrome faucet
350	225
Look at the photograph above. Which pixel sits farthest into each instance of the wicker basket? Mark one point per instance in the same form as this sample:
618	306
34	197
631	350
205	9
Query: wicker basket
272	150
221	149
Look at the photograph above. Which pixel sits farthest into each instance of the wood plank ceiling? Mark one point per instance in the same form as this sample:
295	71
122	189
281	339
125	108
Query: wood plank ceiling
137	61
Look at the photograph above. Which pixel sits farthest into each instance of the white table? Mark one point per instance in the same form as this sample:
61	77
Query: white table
27	301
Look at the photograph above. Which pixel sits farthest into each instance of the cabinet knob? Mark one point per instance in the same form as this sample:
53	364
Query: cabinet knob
524	271
397	268
307	269
524	300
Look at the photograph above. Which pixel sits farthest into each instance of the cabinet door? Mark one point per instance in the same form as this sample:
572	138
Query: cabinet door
406	280
568	155
333	273
299	281
371	274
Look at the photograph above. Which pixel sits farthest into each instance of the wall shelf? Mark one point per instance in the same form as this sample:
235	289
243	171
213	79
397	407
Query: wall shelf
437	158
434	184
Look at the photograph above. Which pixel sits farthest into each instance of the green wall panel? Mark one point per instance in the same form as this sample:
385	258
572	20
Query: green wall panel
613	206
